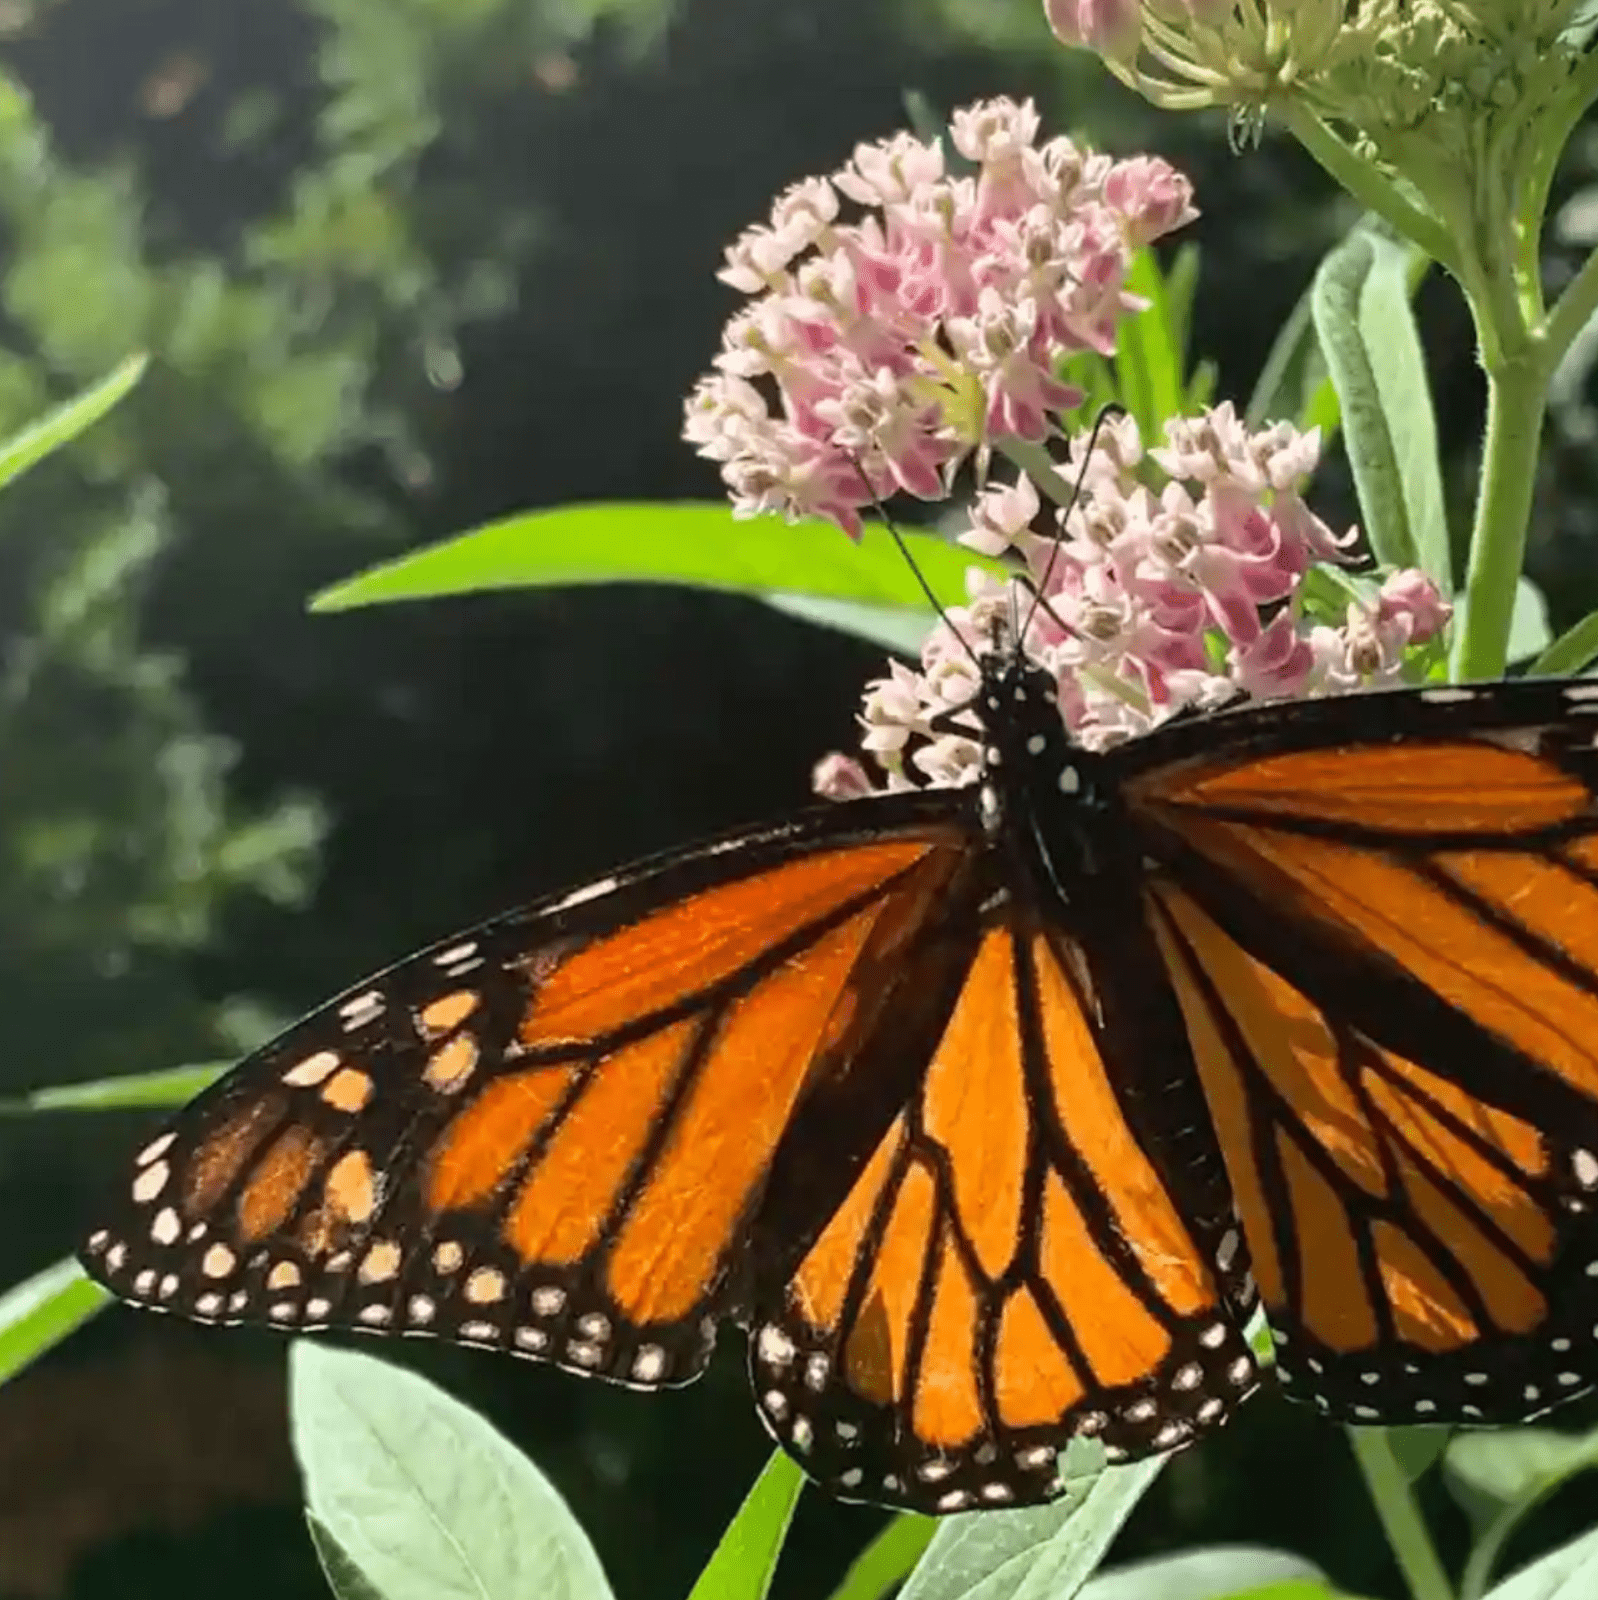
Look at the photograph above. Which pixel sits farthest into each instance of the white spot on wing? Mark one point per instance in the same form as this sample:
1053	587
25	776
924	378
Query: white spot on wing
589	891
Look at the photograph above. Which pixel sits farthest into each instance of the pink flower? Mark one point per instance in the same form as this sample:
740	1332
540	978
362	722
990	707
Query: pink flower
1411	600
1110	27
1150	601
1151	195
933	325
1278	661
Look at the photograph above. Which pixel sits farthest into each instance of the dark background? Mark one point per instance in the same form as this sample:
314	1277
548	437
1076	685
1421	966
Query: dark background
405	265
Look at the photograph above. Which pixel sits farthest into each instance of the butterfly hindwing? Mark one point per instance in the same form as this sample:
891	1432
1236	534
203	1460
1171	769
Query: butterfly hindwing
548	1135
1010	1268
1385	939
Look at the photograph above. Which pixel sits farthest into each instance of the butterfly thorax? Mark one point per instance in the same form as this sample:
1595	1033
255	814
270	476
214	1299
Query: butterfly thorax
1045	800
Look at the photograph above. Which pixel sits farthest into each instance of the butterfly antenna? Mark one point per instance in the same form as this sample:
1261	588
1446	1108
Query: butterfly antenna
910	561
1106	411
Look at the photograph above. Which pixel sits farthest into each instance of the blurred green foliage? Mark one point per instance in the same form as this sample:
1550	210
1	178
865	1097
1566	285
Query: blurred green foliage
405	266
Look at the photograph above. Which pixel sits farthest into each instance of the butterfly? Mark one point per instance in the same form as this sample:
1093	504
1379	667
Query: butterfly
994	1114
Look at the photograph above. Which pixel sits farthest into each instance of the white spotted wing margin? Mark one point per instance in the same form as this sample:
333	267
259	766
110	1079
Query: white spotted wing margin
315	1185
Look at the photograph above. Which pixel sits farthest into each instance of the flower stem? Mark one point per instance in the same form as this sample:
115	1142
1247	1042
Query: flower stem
1406	1530
1368	185
1573	310
1516	402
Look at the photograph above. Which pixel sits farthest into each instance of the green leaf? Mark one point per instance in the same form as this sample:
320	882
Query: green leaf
1569	1573
65	422
425	1499
892	627
888	1559
1293	383
745	1561
1418	1447
1149	354
1573	650
1529	630
697	544
344	1578
172	1086
1046	1553
42	1310
1225	1573
1500	1478
1372	349
1487	1471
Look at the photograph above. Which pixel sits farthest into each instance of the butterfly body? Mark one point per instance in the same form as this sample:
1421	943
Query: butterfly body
993	1113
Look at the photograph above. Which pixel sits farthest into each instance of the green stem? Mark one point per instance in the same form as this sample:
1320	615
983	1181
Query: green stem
1406	1530
1516	402
1572	311
1368	185
1038	465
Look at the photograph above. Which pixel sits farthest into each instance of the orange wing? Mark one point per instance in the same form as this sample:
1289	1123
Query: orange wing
1012	1265
1387	956
549	1135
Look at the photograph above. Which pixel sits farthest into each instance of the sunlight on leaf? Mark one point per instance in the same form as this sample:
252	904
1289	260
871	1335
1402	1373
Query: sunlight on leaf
700	545
423	1497
1046	1553
172	1086
745	1561
63	424
42	1310
1575	649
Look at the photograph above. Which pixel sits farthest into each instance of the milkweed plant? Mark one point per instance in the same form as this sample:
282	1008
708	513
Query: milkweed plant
930	332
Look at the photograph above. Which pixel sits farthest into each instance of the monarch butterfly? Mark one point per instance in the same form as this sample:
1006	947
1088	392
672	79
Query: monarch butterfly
993	1113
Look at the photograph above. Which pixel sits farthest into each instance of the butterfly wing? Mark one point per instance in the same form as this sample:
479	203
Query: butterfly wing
1380	915
1031	1250
551	1134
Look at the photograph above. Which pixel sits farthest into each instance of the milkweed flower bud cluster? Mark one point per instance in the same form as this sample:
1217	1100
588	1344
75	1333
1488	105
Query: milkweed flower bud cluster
1182	576
1461	97
875	355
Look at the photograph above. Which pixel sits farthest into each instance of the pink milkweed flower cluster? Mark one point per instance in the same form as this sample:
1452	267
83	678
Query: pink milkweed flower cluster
1177	579
875	355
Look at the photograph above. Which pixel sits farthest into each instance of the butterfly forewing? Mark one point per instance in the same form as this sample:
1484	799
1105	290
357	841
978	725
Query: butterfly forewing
549	1135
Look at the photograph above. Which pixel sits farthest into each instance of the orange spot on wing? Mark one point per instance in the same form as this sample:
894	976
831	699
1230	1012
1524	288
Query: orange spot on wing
222	1157
1033	1381
1086	1105
975	1104
447	1012
1513	1302
874	1353
1426	1310
822	1280
1119	1336
478	1149
1418	786
683	1224
276	1183
947	1410
561	1207
701	941
1335	1305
